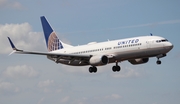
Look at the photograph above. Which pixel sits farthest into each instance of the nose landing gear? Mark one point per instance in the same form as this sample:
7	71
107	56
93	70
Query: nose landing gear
158	62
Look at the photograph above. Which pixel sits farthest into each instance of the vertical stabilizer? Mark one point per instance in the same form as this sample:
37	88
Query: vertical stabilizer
52	41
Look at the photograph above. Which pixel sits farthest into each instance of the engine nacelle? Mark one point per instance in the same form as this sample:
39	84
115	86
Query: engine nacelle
98	60
139	61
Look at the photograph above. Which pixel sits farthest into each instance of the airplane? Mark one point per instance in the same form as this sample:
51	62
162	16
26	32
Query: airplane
136	50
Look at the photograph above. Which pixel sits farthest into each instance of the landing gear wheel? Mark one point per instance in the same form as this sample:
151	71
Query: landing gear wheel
116	68
158	62
92	69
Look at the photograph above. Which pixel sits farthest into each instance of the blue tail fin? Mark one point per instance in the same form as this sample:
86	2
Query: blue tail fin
52	41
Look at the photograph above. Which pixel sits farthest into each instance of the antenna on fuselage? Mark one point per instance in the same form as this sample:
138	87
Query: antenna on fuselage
151	34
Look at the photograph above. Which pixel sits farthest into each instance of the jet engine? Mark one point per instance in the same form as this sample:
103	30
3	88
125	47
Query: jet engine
98	60
139	61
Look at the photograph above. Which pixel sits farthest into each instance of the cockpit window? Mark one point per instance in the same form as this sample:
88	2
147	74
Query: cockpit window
162	40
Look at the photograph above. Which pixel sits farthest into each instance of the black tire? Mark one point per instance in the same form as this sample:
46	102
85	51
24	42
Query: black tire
118	68
94	69
90	69
158	62
114	68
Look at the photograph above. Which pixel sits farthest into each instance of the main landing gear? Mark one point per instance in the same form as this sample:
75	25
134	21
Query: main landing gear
92	69
115	68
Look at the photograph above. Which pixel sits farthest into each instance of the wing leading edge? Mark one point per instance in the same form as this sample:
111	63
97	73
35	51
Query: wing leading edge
50	54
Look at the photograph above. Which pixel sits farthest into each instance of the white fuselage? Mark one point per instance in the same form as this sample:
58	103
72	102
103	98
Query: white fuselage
119	50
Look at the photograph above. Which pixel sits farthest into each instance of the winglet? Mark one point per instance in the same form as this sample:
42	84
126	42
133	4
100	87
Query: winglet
12	45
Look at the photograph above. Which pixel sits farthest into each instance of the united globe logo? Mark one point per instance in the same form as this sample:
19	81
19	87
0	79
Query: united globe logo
54	43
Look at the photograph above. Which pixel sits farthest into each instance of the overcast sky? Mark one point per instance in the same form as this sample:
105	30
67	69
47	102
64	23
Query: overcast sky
31	79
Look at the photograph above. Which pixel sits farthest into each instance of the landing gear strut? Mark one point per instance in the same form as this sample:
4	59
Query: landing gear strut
160	56
92	69
116	67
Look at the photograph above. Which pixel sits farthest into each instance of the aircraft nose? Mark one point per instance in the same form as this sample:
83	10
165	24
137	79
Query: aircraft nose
169	46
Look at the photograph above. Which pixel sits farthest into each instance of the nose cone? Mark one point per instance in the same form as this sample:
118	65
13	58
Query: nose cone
169	46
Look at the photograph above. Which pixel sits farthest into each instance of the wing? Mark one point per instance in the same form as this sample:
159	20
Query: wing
52	55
